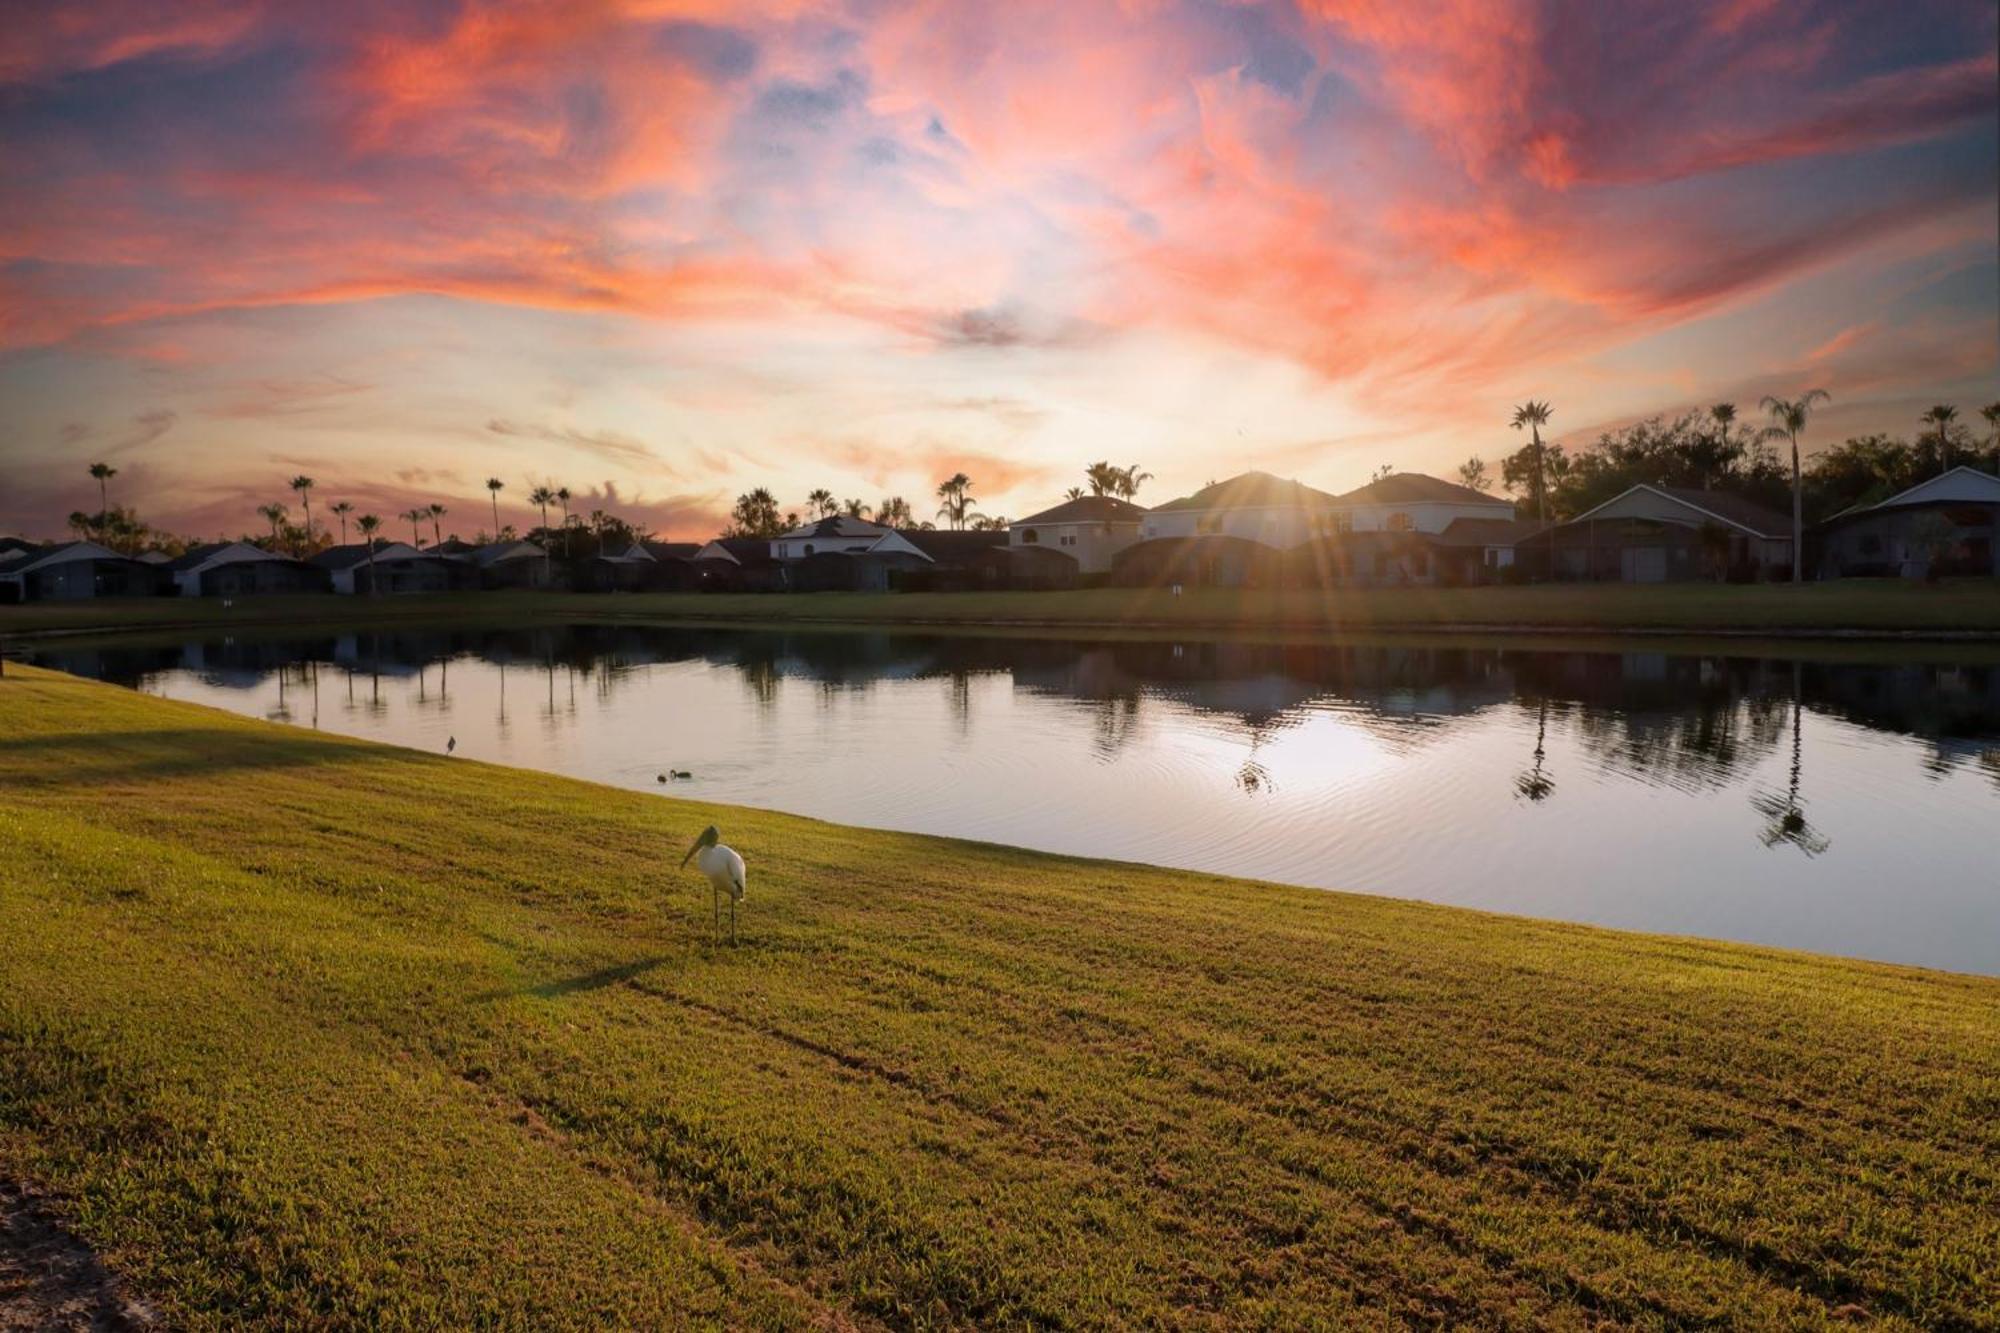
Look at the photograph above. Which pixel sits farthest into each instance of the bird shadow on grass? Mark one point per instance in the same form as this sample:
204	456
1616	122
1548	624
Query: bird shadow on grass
588	981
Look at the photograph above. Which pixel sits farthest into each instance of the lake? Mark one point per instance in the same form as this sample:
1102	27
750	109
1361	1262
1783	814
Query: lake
1846	807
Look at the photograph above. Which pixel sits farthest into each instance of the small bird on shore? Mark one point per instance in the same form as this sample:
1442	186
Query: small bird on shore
450	744
724	871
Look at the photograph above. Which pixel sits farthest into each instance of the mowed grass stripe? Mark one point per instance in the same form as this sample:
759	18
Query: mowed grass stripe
945	1083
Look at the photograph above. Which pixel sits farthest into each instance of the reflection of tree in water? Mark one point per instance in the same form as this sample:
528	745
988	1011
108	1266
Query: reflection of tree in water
1114	723
1686	723
1533	783
1786	821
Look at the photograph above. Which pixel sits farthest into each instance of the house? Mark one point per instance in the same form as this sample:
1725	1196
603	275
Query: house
643	566
1414	502
1090	530
957	561
1660	534
1254	506
1953	520
845	554
71	570
739	564
238	569
840	534
511	563
1487	544
1215	560
397	567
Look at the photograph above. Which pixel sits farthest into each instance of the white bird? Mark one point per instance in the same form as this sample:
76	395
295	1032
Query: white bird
724	869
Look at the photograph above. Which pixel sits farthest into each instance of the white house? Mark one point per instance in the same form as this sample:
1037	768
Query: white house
1953	518
240	568
1089	530
1414	502
841	535
1255	506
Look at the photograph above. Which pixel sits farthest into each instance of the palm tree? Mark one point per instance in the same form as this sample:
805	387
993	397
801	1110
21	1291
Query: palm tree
303	486
1788	419
894	512
1724	416
1941	416
274	513
855	508
342	509
416	517
493	485
1992	414
956	492
368	523
541	497
562	497
1073	493
1103	478
1533	415
1130	479
436	511
822	503
103	472
80	523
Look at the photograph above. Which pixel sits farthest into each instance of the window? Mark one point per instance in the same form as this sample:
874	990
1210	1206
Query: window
1029	536
1400	522
809	548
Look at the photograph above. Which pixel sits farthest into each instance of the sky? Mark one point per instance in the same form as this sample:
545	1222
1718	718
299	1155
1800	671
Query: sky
662	251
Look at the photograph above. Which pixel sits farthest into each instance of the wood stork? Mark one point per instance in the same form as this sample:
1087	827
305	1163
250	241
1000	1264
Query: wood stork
724	869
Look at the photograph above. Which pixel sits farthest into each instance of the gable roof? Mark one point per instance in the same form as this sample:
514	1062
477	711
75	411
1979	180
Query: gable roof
1416	488
494	552
198	557
671	550
1722	506
737	550
1252	490
62	553
346	557
836	525
1087	509
1960	485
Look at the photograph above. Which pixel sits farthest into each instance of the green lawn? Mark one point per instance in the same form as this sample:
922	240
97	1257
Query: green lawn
309	1030
1863	605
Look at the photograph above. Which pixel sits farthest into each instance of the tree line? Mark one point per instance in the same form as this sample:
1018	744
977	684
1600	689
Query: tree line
1715	450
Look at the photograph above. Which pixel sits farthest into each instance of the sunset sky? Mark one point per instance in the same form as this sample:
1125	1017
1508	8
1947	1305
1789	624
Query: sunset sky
662	251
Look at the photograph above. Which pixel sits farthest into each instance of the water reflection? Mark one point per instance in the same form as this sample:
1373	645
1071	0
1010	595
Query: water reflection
1650	788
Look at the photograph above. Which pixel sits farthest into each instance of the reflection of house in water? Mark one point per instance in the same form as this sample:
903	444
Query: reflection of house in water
1956	708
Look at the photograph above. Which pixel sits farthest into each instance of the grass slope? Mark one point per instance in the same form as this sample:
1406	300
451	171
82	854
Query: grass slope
1847	606
312	1030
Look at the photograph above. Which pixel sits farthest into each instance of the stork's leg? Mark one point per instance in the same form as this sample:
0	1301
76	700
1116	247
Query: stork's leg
732	921
715	904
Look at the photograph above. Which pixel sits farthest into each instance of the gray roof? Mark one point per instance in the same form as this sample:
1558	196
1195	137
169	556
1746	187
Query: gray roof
1253	490
1088	509
1487	531
1416	488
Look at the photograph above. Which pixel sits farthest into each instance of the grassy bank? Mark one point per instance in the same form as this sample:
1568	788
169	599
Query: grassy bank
311	1030
1851	606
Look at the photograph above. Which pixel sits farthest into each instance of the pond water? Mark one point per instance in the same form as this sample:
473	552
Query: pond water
1847	808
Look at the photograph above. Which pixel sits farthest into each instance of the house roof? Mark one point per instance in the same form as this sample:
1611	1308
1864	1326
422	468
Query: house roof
952	547
1487	531
671	550
838	525
1088	509
1416	488
494	552
197	557
346	557
62	553
1960	485
737	550
1722	506
1252	490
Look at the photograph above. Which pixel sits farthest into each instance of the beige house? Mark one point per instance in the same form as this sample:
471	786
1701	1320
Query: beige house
1089	530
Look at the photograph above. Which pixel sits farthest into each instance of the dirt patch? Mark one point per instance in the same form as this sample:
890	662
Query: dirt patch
50	1280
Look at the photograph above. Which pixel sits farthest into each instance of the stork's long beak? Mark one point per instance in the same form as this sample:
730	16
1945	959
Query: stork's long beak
692	848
